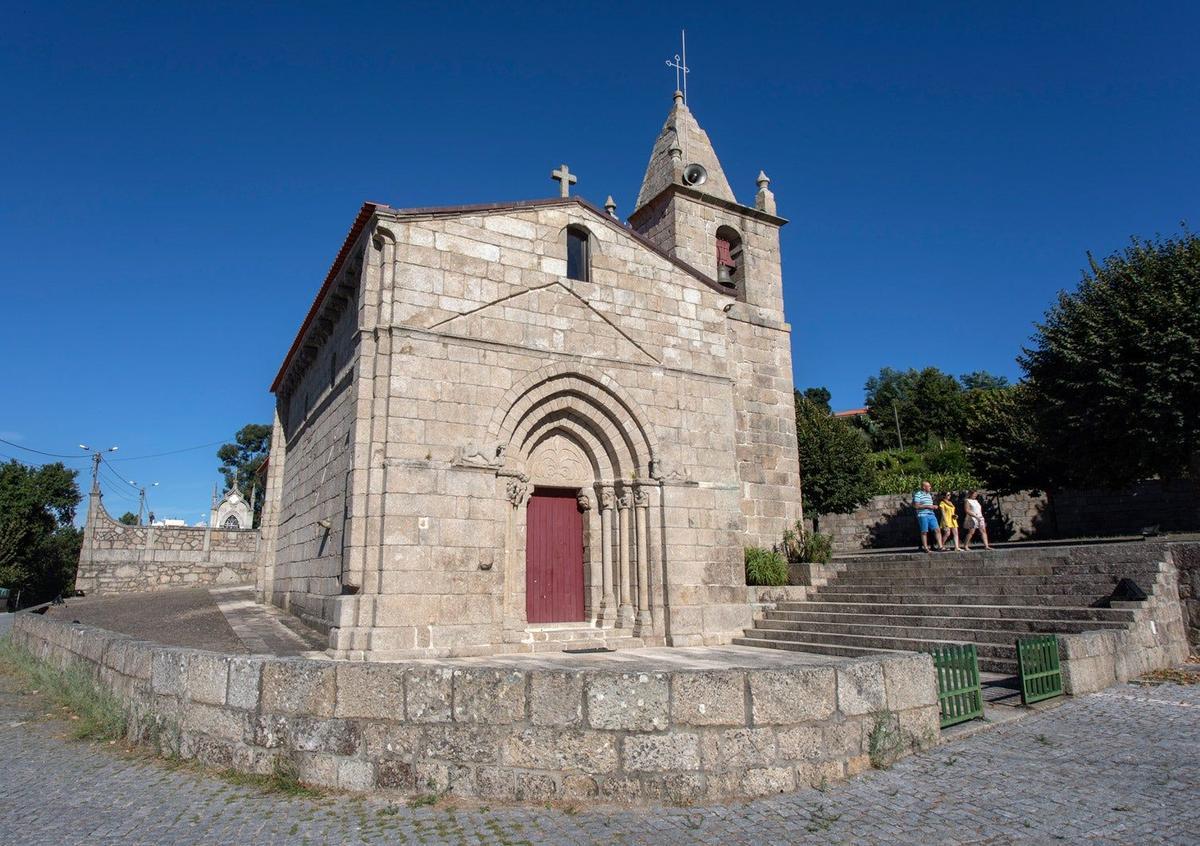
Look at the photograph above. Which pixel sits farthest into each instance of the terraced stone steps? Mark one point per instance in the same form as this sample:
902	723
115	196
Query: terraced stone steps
907	601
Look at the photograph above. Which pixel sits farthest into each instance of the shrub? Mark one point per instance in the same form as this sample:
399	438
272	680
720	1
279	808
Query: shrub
803	546
899	482
765	567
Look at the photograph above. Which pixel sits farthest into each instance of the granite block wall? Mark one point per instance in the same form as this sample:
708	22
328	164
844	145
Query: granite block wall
505	732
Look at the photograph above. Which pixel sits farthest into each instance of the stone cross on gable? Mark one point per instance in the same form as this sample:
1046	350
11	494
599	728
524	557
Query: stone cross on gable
564	178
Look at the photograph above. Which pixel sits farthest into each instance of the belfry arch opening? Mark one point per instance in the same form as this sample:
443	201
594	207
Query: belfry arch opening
731	263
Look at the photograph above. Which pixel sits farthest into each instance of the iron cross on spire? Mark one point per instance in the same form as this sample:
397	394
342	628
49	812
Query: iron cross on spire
564	178
681	65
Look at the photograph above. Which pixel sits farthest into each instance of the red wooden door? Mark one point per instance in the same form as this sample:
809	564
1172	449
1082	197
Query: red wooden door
553	557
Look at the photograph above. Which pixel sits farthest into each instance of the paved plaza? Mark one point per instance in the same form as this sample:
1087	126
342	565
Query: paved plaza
1121	766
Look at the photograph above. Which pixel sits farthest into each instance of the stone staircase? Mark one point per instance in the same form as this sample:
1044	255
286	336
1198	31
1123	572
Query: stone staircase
916	601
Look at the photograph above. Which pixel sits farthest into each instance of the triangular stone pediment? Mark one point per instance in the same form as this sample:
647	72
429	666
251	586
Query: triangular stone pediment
552	318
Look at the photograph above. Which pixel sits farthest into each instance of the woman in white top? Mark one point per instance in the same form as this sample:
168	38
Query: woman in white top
975	520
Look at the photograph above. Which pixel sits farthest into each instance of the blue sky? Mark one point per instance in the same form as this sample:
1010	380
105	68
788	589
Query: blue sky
176	178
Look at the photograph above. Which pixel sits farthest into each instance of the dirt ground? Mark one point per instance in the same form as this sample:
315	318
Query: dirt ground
188	617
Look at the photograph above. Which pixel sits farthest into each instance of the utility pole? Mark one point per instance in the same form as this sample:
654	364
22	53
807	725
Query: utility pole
141	505
896	416
97	455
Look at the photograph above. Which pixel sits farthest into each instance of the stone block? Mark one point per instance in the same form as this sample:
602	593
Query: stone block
245	681
661	752
802	743
459	743
428	693
495	783
820	773
168	672
734	749
764	781
910	681
395	774
560	749
922	726
845	739
708	698
207	677
536	787
860	688
374	691
784	697
388	740
222	723
299	687
579	787
355	774
631	701
492	697
305	734
555	698
318	769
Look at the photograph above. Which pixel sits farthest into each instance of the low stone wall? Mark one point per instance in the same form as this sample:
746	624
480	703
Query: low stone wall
1187	560
116	558
510	732
886	521
1156	639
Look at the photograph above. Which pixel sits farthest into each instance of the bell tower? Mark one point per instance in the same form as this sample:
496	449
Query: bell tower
687	208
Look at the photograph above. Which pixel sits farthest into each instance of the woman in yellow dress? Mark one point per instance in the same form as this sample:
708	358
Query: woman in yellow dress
949	521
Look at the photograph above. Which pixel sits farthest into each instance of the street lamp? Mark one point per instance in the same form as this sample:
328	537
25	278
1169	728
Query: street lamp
142	498
96	456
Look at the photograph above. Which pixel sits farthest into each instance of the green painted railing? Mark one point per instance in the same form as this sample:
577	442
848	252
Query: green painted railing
959	694
1037	662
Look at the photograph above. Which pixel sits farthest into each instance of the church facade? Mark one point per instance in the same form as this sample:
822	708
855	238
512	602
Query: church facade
528	425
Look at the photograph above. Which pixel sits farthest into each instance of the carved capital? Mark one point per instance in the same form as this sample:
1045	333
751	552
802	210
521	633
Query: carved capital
640	498
608	499
516	489
625	498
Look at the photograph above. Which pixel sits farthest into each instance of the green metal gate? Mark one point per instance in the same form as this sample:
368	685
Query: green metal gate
1037	662
959	694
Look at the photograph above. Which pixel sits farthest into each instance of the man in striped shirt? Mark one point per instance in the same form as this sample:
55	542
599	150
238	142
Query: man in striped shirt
926	516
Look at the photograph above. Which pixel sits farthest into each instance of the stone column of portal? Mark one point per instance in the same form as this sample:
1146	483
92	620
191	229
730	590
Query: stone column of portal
624	539
608	609
641	502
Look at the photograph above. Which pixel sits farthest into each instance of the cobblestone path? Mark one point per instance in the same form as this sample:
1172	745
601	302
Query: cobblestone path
1122	766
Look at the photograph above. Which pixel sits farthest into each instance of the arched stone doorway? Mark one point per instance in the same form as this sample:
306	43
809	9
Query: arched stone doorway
567	432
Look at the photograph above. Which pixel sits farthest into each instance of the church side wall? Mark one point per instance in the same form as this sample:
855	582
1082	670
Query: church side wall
317	427
478	305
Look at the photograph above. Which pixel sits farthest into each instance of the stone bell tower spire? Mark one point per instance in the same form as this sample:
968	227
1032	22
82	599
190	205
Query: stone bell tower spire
680	143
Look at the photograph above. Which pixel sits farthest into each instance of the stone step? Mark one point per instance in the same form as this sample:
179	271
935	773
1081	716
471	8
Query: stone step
1017	625
942	609
914	631
938	568
1007	666
875	641
585	643
1090	591
914	598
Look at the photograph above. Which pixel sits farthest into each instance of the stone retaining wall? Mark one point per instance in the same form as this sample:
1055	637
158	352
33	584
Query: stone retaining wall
1156	639
505	732
1187	559
886	521
116	558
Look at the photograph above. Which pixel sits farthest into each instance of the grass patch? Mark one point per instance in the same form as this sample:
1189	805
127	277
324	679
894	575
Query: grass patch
887	741
96	713
283	779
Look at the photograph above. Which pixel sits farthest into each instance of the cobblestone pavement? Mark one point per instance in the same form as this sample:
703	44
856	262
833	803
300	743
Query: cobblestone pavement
1118	767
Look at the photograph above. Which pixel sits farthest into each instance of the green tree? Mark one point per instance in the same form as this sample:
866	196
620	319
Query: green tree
819	397
1114	369
835	469
981	380
240	461
39	548
1002	441
128	518
930	406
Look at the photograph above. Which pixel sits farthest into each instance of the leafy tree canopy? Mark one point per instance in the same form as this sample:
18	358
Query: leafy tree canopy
928	403
981	380
1002	441
1114	369
39	548
819	397
128	518
835	471
240	461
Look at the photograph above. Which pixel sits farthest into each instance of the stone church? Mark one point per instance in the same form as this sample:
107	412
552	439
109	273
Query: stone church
527	425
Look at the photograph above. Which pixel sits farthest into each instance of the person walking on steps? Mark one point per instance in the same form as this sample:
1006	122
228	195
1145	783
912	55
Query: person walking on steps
927	520
949	521
975	521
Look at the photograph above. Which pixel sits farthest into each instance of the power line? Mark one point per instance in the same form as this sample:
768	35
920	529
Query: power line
113	469
171	452
40	452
